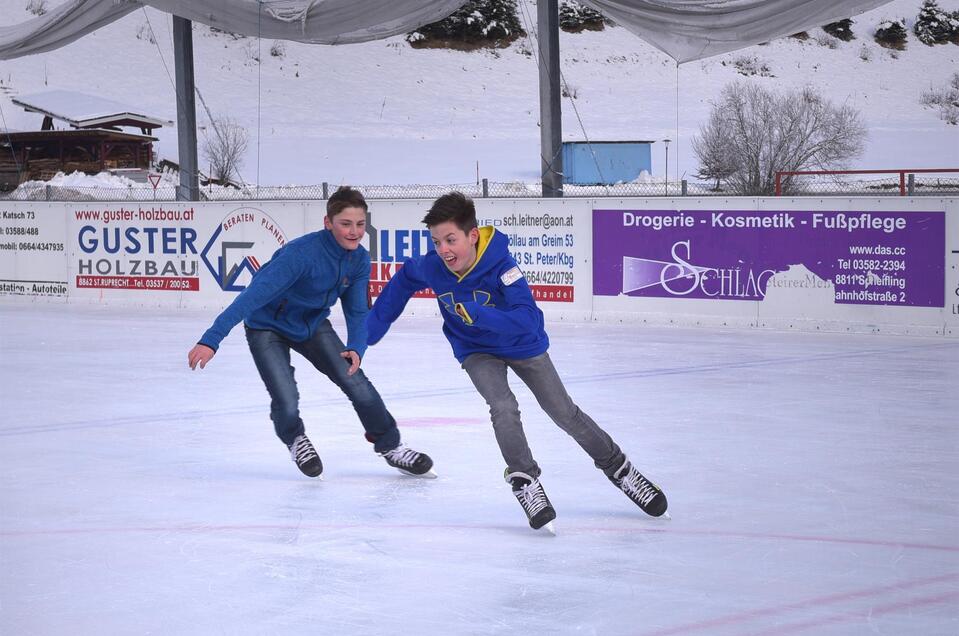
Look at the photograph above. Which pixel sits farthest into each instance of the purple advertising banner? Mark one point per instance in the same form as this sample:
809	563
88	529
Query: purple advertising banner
869	258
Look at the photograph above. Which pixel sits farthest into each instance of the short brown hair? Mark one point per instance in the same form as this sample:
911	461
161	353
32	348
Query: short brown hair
345	197
455	207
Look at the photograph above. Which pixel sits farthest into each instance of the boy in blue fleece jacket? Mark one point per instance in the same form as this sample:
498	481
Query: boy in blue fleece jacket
286	306
493	324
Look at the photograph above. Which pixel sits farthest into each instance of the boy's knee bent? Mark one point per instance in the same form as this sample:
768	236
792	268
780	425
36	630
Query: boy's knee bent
284	413
358	387
505	407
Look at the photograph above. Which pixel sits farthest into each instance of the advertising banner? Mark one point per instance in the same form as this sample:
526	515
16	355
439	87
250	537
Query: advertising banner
136	248
549	244
394	233
32	250
952	285
867	258
181	252
543	242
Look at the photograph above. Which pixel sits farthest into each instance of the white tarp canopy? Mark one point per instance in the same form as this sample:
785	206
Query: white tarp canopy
311	21
686	30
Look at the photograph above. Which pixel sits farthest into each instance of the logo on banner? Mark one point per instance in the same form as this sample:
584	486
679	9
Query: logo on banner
245	239
680	277
389	248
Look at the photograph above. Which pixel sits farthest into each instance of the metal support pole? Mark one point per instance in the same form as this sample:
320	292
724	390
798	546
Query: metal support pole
666	177
326	190
684	187
911	185
550	111
485	188
189	189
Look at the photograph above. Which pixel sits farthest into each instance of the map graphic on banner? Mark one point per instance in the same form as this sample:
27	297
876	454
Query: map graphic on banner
870	258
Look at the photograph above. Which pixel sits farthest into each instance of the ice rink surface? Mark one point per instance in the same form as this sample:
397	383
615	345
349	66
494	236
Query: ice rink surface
813	482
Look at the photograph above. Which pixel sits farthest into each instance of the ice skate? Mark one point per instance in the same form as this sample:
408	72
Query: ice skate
531	496
305	456
410	462
643	492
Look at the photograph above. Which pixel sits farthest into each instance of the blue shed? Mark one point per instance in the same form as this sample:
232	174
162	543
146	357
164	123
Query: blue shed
617	161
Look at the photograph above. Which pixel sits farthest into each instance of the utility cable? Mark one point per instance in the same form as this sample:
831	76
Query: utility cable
196	88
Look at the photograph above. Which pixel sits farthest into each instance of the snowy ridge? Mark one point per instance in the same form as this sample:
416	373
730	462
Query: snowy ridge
382	112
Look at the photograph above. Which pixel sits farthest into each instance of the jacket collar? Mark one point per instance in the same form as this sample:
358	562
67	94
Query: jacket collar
486	234
331	246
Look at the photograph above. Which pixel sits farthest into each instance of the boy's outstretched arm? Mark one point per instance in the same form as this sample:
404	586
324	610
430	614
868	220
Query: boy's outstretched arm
392	300
265	286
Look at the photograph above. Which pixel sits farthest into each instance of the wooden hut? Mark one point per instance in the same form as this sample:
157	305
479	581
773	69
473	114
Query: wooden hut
92	142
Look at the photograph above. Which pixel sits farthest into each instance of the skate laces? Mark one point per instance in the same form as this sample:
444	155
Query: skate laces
402	455
532	497
302	449
637	486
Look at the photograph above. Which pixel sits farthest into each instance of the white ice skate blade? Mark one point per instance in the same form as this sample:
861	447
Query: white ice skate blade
666	516
549	528
430	474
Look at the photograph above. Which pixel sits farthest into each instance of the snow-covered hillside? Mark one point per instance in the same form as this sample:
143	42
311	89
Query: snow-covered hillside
382	112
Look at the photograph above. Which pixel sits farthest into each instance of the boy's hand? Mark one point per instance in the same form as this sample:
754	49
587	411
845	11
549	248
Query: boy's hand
353	358
200	354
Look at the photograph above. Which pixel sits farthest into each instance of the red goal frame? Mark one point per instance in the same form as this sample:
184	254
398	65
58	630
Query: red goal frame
902	175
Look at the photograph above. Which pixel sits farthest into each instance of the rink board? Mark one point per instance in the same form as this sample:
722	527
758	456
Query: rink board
887	265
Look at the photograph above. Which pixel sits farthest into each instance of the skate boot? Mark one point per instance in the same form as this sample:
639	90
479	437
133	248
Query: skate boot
305	456
531	496
643	492
408	461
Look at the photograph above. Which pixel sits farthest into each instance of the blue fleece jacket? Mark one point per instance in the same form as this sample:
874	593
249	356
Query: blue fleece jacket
294	291
502	317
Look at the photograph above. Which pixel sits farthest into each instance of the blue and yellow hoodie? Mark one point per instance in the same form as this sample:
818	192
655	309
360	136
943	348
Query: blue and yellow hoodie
294	291
503	319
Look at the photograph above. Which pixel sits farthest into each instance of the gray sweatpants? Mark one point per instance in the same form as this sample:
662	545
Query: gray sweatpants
488	374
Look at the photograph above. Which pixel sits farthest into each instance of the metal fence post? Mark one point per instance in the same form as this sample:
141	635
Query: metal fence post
48	189
485	188
911	185
326	190
684	187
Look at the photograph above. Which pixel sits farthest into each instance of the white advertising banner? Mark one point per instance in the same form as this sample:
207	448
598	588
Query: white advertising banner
888	265
33	238
549	241
180	253
952	270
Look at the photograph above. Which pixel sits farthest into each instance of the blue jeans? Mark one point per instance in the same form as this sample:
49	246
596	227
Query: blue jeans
271	353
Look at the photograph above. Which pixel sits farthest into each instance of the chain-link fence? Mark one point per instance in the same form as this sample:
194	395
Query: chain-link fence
912	185
924	186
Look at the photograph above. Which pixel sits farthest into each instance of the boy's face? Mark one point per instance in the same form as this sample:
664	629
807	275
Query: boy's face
347	227
456	247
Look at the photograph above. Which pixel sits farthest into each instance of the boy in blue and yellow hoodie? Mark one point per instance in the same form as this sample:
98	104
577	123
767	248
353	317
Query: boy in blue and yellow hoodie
286	306
493	324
